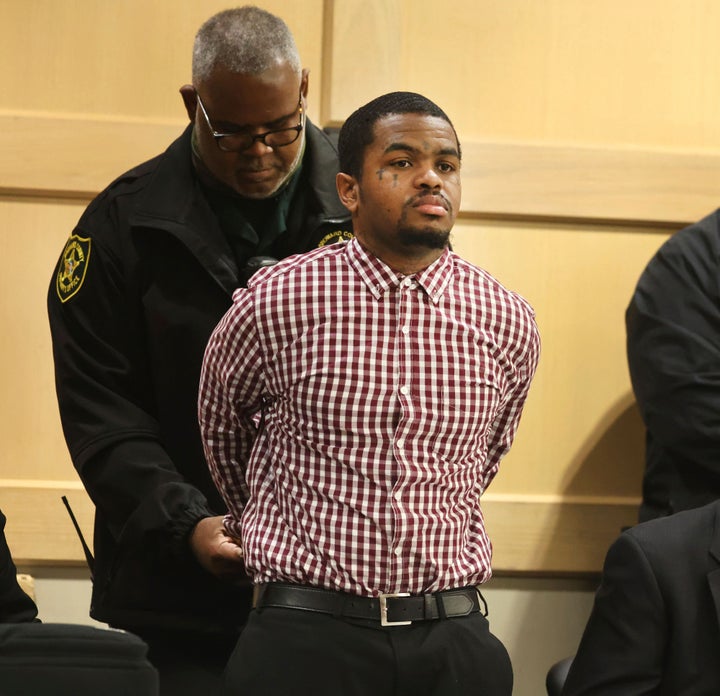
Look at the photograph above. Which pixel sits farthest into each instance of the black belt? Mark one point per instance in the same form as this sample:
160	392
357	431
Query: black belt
388	609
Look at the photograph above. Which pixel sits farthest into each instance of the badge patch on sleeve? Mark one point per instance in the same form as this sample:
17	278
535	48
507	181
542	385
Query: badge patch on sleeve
334	237
73	266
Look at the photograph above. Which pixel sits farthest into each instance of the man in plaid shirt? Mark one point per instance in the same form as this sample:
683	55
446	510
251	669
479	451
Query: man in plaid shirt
355	402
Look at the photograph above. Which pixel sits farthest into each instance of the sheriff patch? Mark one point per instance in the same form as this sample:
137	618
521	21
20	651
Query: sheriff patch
72	267
334	237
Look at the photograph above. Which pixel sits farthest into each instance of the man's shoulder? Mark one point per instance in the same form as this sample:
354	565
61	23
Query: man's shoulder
707	226
482	277
131	184
700	241
298	264
490	287
116	200
686	263
681	535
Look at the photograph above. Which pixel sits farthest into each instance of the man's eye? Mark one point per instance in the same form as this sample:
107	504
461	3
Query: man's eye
446	167
231	129
401	164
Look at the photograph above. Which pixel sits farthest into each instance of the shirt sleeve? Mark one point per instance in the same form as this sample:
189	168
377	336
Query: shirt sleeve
673	346
229	402
506	422
623	646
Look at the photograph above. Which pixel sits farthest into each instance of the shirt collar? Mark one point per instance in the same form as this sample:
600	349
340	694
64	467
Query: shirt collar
379	277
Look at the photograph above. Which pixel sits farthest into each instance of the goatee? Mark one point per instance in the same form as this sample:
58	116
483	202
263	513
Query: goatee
427	238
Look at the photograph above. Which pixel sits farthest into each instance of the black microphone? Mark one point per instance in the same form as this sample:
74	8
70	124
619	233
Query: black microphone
255	263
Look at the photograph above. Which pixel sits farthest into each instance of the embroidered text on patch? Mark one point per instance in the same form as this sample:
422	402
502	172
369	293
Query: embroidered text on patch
336	236
73	266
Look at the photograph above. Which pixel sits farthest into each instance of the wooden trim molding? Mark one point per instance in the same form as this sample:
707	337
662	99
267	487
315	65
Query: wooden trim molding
612	186
554	534
74	157
531	535
39	530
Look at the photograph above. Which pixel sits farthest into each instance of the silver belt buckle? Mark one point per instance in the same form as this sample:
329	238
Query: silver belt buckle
384	610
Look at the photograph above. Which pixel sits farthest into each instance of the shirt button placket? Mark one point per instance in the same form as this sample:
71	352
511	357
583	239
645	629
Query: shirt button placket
404	391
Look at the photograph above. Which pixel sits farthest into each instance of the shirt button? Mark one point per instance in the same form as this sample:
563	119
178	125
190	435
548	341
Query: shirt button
397	551
405	390
405	330
400	443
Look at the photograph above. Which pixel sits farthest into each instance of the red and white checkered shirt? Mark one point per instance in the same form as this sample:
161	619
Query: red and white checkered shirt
387	403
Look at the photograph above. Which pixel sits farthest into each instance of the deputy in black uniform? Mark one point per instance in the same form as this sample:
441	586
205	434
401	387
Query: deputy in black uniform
143	279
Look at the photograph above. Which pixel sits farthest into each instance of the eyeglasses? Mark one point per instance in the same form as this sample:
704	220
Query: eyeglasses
237	142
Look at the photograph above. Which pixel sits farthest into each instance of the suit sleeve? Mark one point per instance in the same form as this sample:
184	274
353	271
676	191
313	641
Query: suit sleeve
15	605
105	395
622	648
673	346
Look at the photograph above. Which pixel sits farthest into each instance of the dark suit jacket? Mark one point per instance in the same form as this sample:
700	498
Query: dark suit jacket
655	625
673	350
15	605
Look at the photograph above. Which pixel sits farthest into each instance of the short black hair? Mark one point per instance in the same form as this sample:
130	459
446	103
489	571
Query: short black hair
359	130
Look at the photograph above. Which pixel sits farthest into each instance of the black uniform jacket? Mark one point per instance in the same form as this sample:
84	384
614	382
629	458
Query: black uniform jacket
655	626
140	285
673	345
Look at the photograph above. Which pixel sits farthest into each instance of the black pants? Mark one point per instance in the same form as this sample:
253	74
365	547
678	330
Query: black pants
284	652
188	664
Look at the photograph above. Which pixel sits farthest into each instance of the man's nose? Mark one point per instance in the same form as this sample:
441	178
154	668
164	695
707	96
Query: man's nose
428	178
257	149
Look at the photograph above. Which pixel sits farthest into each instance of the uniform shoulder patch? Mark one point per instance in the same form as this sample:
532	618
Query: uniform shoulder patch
72	267
334	237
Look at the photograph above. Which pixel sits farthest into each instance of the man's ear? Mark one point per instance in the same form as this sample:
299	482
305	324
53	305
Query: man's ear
347	187
189	97
304	82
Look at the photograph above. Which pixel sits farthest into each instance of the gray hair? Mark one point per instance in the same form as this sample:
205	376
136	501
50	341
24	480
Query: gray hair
245	40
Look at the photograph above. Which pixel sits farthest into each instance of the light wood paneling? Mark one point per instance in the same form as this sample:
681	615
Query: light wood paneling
31	237
73	157
619	185
125	58
39	530
610	72
555	535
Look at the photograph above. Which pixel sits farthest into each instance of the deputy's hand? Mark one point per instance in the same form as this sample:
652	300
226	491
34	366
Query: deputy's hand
215	550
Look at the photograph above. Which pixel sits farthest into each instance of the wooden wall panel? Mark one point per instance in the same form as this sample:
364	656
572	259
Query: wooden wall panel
610	185
599	72
124	59
31	237
39	530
